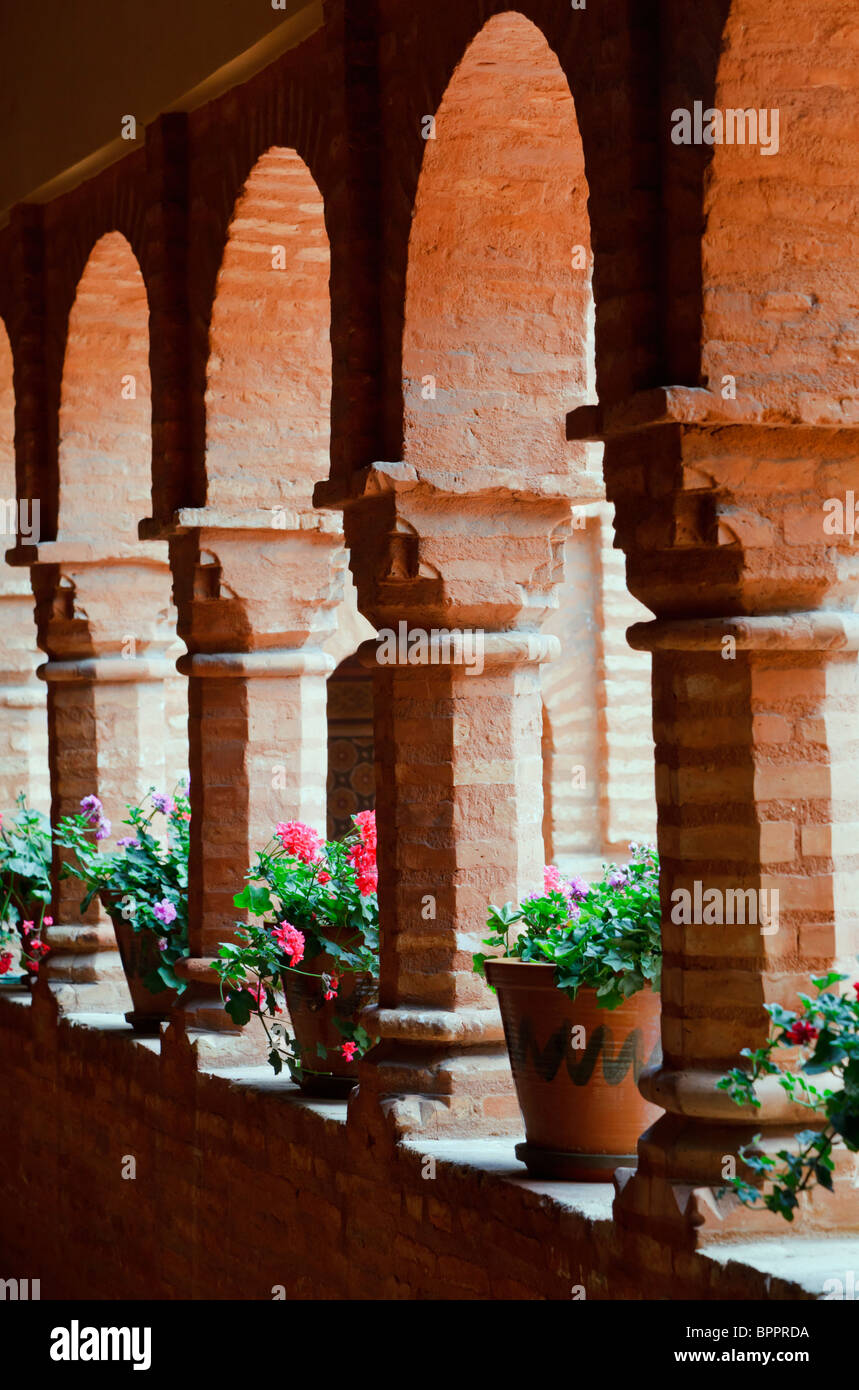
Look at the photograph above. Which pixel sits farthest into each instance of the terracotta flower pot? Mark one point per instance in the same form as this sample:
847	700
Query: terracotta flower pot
314	1026
10	944
139	953
582	1108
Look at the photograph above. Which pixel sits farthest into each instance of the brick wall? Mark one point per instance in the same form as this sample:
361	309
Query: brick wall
242	1186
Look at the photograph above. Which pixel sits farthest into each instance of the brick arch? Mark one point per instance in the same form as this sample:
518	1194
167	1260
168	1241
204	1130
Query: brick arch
105	400
268	388
498	290
780	247
55	244
608	55
116	201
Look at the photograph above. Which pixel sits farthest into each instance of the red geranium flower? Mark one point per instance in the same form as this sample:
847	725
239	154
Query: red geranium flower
802	1032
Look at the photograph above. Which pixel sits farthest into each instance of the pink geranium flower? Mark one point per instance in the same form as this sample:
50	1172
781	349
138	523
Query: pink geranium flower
300	840
551	879
291	940
165	911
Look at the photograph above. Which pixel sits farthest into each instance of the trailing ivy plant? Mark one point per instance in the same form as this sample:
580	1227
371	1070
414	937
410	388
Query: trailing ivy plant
25	885
603	936
316	898
826	1030
145	879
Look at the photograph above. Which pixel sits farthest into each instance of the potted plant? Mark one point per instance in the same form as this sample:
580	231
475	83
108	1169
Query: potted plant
25	885
822	1036
578	990
318	942
143	886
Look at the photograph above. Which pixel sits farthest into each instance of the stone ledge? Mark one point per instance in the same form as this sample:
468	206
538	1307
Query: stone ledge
806	1263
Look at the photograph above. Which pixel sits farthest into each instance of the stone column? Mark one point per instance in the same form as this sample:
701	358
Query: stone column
458	772
756	700
24	725
103	620
255	603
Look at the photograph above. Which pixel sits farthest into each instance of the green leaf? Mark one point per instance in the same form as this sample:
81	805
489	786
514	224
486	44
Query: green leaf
168	975
239	1006
255	898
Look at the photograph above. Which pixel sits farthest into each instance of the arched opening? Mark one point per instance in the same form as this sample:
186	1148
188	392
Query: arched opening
105	453
498	342
268	406
498	345
105	446
23	727
268	390
351	773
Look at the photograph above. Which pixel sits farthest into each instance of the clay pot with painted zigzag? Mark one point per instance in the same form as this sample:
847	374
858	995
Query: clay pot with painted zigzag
581	1105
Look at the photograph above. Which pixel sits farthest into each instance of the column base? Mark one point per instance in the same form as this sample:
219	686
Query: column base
678	1195
202	1021
440	1073
439	1093
84	969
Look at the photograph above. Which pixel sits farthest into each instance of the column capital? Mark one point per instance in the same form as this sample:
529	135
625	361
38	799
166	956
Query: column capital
269	663
95	603
403	480
480	548
107	670
83	552
281	521
244	584
818	630
697	406
495	648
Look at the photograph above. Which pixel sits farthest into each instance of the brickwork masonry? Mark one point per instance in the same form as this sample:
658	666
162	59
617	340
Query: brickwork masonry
242	1188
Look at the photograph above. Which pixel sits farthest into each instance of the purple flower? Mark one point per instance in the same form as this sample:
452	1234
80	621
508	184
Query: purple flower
102	830
163	943
128	842
92	809
577	890
162	803
165	911
617	878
